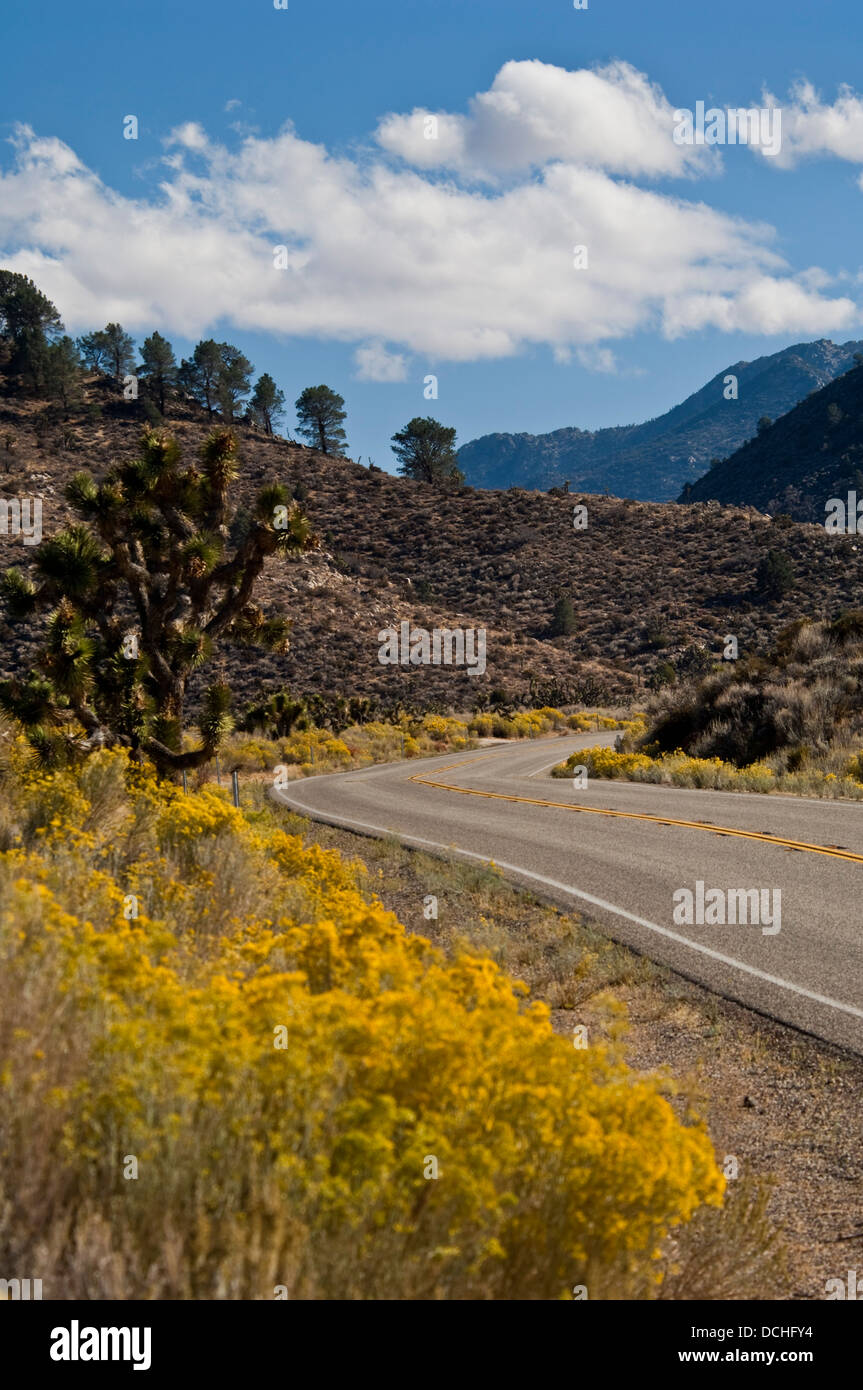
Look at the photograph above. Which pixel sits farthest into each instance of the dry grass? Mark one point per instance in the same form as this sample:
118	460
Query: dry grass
791	722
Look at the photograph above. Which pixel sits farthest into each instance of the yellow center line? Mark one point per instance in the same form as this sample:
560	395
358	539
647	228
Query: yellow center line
638	815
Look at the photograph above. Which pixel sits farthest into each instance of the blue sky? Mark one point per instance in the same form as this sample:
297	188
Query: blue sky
406	263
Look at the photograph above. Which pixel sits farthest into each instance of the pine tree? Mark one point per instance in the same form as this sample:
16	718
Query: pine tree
320	417
29	324
234	381
109	349
93	348
425	450
199	375
63	373
268	403
158	367
121	351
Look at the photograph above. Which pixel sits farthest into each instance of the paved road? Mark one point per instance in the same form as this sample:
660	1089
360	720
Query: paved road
620	851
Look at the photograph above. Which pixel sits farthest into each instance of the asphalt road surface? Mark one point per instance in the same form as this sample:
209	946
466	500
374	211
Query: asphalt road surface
620	851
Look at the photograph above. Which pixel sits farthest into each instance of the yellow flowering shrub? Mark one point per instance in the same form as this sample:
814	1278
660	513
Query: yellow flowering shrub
522	724
440	726
680	769
854	767
311	751
482	725
605	762
588	721
312	1097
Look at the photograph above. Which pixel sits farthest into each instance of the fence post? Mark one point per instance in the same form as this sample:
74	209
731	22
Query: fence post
235	783
185	787
218	770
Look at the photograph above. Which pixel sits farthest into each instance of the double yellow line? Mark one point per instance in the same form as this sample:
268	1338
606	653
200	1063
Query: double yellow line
802	845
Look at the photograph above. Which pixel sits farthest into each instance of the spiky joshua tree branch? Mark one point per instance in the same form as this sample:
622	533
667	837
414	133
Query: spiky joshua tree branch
137	596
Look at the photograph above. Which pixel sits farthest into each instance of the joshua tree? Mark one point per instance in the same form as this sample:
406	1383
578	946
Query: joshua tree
136	597
277	714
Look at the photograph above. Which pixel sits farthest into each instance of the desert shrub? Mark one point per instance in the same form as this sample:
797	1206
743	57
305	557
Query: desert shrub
664	674
847	626
309	749
807	694
522	723
656	635
586	721
695	660
313	1098
563	621
482	725
440	727
854	767
681	769
774	575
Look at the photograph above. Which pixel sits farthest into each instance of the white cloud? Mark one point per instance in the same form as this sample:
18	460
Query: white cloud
426	263
426	139
609	118
814	278
190	135
375	363
811	127
764	305
597	359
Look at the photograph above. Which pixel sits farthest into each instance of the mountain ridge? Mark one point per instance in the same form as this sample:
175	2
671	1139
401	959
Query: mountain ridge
811	454
654	460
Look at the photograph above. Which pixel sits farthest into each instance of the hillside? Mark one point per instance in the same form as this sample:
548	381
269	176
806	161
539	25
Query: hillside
651	584
813	453
654	460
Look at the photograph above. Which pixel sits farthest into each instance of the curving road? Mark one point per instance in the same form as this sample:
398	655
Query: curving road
620	851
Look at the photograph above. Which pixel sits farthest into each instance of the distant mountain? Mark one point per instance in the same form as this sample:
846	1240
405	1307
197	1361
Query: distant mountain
813	453
653	461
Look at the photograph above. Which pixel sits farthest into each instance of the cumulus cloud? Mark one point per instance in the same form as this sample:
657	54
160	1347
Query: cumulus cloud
420	259
597	359
609	118
375	363
812	127
190	135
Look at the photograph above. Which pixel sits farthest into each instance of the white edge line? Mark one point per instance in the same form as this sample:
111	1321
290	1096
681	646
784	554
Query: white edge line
594	902
556	763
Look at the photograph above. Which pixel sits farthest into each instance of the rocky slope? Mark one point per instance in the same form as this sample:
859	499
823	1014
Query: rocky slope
651	584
